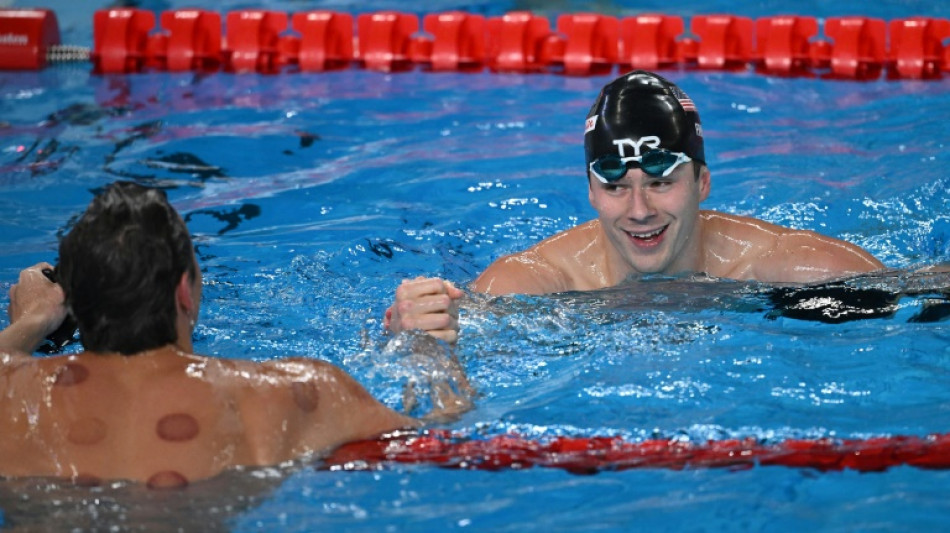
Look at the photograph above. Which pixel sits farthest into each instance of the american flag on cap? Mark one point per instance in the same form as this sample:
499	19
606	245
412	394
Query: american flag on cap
684	99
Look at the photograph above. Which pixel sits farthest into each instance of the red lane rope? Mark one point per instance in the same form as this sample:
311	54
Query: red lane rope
255	40
589	455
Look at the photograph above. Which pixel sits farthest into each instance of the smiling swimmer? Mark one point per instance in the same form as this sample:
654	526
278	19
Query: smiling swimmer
646	175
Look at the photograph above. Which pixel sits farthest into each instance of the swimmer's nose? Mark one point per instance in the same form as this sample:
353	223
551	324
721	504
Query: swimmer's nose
641	206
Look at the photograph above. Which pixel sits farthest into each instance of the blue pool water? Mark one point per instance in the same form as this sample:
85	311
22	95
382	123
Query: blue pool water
310	196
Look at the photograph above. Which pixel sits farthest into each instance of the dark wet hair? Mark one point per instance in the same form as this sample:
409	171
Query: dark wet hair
119	267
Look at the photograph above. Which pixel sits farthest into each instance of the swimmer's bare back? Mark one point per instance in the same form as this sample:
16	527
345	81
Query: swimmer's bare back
165	419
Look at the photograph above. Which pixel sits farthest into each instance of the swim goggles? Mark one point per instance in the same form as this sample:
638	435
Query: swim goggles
656	163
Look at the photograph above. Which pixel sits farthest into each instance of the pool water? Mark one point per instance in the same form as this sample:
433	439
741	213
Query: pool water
310	196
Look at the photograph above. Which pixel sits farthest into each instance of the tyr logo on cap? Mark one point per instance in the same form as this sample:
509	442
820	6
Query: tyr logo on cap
651	141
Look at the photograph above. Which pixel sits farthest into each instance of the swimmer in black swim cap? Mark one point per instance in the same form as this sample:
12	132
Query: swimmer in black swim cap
647	176
641	120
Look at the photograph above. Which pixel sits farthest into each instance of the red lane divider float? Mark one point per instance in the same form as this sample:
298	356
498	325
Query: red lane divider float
326	41
191	40
651	42
459	42
590	455
785	44
262	41
25	38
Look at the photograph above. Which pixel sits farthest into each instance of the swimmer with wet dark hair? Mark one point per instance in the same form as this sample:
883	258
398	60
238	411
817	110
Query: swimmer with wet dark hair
646	172
138	404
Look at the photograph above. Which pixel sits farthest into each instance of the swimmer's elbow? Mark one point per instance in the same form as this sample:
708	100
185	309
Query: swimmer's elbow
362	415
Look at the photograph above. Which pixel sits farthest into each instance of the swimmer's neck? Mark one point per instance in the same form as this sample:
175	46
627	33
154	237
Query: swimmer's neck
166	351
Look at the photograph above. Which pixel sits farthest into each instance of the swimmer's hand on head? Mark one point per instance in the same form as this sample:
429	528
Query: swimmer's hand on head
36	309
427	304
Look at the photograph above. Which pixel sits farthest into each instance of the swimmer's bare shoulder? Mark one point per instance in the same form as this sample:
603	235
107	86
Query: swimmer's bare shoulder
296	406
747	248
569	260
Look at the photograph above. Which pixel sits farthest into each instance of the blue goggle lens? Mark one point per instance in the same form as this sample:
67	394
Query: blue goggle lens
656	163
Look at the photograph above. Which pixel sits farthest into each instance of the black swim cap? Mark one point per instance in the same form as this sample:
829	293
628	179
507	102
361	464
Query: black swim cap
641	111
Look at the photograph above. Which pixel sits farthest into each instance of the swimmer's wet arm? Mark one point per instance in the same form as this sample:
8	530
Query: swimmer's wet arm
21	337
449	404
362	416
314	408
805	256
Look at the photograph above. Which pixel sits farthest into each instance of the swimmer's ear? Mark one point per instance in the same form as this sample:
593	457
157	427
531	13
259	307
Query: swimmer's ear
184	300
704	183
